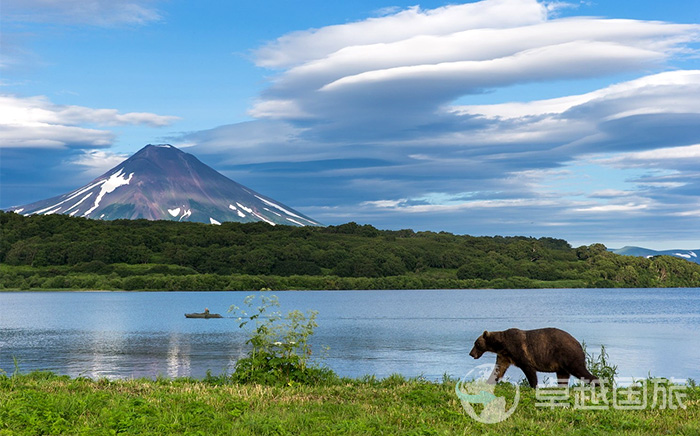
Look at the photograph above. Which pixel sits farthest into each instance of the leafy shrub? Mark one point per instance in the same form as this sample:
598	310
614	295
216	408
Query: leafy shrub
600	365
280	351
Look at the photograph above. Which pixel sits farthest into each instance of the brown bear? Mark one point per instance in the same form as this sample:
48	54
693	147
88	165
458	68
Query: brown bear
544	350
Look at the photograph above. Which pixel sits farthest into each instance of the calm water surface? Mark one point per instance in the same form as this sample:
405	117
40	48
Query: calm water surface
145	334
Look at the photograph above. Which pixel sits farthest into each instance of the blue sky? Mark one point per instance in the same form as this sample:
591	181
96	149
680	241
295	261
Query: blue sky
576	120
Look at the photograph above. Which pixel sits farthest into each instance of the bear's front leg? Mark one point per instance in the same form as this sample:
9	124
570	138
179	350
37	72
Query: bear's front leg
530	374
502	365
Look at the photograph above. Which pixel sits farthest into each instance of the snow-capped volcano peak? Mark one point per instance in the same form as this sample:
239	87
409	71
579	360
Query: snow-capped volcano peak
161	182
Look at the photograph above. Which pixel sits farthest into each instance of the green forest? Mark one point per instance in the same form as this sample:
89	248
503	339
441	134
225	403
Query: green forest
62	252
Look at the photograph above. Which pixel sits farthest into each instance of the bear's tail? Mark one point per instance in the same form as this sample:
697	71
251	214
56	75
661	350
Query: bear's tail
583	374
587	377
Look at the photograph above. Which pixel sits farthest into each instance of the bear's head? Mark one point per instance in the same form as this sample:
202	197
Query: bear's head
480	345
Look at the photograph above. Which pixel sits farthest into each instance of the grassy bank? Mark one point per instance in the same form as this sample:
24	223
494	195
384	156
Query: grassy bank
42	403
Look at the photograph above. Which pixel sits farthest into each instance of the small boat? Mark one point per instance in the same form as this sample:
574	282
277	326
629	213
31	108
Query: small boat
205	315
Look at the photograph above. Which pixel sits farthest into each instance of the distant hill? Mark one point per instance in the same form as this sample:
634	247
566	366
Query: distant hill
691	255
62	252
161	182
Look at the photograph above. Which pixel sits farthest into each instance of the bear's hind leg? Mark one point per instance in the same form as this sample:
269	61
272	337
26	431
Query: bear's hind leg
562	378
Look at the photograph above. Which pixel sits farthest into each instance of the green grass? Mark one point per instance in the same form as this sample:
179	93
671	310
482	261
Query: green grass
43	403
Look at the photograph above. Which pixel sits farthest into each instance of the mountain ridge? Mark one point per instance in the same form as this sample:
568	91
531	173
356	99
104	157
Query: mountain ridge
161	182
689	255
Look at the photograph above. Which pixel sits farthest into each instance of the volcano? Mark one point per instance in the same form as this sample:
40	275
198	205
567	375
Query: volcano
161	182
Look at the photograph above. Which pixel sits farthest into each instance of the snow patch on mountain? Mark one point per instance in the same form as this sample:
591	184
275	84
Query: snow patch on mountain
238	212
277	206
174	212
108	186
213	221
51	209
269	203
272	211
48	208
78	204
71	196
264	219
247	209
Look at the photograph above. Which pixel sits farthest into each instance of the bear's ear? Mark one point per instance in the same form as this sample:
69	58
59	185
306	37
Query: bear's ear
486	333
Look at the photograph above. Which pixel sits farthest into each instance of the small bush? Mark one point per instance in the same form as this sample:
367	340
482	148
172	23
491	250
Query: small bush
280	351
600	365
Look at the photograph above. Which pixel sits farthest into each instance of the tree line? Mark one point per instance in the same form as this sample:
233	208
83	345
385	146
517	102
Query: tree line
59	251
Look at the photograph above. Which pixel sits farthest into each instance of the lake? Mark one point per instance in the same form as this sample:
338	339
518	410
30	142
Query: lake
423	332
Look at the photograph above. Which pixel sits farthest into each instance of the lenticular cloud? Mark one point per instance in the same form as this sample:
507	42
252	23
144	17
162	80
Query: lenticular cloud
404	67
306	46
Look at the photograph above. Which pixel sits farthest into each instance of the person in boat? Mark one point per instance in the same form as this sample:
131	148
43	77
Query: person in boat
206	311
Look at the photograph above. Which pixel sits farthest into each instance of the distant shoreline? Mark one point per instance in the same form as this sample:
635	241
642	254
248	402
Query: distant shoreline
39	290
57	252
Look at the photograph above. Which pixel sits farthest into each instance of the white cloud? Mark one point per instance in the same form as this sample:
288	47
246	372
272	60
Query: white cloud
573	59
556	48
385	204
581	124
659	90
690	213
306	46
36	122
97	162
89	12
554	7
617	208
38	109
672	153
421	60
611	193
672	169
442	202
278	109
270	140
